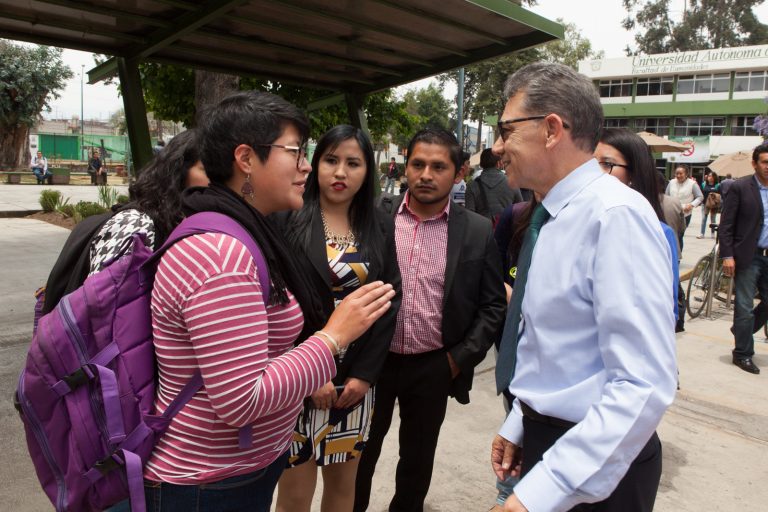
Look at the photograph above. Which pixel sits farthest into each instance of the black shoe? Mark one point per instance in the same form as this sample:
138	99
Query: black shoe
746	364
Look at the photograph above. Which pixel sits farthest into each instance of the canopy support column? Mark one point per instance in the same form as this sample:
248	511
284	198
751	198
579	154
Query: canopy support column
135	112
355	109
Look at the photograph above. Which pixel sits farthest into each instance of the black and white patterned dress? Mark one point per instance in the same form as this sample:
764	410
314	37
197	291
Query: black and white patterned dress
115	238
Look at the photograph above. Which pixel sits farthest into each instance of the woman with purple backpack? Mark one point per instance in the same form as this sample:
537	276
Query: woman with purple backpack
259	358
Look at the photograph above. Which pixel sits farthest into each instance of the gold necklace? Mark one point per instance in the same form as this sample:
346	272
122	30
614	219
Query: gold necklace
348	239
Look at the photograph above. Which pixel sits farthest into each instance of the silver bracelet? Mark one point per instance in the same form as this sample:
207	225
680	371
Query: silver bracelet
331	339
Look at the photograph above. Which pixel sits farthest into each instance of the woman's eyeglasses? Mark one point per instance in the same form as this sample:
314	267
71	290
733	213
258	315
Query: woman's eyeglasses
299	151
608	166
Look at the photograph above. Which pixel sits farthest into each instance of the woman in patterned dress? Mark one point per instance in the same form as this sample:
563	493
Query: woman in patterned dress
347	243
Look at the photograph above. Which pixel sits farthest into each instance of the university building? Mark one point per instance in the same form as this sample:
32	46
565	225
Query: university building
707	99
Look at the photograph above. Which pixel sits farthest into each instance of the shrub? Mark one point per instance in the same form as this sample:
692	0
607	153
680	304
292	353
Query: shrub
107	196
67	209
50	200
123	199
88	208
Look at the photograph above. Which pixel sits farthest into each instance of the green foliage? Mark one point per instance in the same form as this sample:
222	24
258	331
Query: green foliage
107	196
169	91
88	208
484	81
50	200
123	199
705	24
30	77
67	209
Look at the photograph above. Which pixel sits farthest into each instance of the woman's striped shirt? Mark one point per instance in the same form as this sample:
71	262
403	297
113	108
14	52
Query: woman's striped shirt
208	313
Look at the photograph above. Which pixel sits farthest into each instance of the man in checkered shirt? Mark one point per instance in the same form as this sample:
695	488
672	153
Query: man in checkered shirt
452	310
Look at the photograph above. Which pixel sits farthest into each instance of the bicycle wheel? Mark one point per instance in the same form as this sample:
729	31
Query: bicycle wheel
698	286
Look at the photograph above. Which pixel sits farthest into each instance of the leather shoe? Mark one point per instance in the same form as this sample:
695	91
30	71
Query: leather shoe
746	364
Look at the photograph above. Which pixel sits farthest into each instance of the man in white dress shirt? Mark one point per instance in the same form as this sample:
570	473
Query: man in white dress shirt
595	357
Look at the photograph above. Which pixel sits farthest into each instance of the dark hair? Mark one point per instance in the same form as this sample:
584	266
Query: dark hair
465	156
641	167
362	215
762	148
249	117
684	167
157	190
520	226
662	182
715	177
442	138
556	88
488	160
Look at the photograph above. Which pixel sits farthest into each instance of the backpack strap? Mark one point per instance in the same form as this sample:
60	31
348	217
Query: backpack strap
214	222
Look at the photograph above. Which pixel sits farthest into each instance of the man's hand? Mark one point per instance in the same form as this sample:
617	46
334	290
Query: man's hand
455	370
505	458
324	397
729	266
354	391
514	505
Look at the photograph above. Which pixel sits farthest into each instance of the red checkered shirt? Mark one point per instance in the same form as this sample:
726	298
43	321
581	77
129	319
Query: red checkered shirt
422	248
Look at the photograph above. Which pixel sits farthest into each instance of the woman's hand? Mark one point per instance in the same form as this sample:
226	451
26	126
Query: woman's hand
324	397
357	312
354	392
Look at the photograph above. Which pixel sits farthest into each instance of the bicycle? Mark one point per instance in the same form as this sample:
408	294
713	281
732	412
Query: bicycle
707	277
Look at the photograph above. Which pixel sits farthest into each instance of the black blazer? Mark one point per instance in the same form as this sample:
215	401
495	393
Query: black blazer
741	222
365	357
474	300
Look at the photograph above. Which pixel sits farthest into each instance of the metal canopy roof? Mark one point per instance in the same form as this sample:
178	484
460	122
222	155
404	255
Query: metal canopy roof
350	46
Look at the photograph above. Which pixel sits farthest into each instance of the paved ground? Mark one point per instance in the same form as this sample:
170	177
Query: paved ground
17	199
715	436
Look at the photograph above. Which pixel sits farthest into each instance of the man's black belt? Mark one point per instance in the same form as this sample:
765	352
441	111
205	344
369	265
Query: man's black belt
762	251
540	418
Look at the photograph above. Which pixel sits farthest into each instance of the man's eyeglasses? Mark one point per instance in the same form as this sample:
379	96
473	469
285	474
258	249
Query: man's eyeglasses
299	151
503	125
608	166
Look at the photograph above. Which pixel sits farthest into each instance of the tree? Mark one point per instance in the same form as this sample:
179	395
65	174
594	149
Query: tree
484	81
30	76
704	24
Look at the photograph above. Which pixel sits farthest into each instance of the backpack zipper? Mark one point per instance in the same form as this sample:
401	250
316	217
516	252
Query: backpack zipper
42	441
74	333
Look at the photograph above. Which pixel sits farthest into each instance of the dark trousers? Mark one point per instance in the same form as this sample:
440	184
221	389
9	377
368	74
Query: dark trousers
420	384
748	282
680	236
636	492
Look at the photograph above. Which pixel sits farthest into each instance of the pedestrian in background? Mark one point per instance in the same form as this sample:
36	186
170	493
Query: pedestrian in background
710	205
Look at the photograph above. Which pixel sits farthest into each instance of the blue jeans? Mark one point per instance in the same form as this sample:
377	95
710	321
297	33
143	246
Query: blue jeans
704	212
41	174
747	282
251	492
390	185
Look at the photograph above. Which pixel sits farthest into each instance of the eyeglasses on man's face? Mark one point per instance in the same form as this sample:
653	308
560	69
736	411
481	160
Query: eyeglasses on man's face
608	166
299	151
504	125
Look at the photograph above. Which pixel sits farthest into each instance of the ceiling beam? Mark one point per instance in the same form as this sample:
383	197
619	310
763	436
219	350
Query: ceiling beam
111	11
63	23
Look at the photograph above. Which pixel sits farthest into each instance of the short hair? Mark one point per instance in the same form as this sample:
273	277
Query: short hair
247	117
556	88
488	160
392	158
684	167
441	138
640	165
762	148
465	155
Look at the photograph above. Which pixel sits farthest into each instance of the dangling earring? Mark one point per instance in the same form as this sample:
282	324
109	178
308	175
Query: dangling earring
247	189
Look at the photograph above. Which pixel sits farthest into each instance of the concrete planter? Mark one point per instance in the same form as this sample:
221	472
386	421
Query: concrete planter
60	176
13	178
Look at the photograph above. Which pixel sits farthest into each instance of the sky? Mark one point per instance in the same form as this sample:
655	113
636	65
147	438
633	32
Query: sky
604	31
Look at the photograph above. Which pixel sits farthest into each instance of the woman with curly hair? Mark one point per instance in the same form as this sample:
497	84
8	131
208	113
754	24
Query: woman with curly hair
155	207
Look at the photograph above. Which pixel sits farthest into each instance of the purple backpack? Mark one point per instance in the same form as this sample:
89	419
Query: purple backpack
86	394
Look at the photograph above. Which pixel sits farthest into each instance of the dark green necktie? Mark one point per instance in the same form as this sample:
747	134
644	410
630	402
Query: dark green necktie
505	365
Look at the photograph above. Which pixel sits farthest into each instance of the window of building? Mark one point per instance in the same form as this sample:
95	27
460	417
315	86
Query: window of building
615	88
742	125
616	123
703	84
654	86
657	125
750	81
692	126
